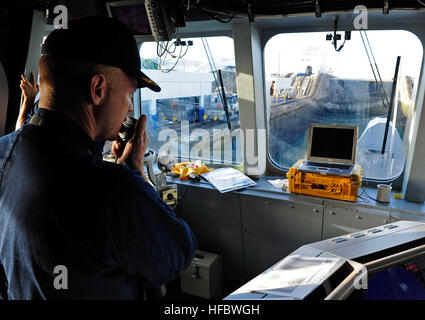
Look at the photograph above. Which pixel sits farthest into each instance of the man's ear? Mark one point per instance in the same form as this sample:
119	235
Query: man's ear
98	88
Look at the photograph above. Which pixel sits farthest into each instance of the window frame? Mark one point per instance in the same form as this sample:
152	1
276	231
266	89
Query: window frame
275	170
137	97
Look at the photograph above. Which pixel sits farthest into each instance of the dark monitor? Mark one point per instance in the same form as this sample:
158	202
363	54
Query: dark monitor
147	19
405	281
333	143
132	14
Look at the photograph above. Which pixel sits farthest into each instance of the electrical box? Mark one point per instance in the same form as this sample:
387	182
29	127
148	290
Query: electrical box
168	194
204	276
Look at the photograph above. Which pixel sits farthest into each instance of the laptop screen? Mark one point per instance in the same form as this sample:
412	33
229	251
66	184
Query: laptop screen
333	142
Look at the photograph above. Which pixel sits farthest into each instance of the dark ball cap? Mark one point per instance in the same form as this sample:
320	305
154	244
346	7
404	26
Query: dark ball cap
100	40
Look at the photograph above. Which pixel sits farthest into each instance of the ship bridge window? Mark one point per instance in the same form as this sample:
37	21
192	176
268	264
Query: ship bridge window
195	116
308	81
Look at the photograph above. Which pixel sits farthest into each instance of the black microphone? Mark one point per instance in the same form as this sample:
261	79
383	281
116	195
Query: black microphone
126	132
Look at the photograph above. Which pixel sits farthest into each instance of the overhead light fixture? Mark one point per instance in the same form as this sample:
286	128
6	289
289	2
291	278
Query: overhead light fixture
250	15
317	9
49	11
386	8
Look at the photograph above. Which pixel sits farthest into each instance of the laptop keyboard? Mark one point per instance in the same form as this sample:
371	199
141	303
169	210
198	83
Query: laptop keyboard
329	165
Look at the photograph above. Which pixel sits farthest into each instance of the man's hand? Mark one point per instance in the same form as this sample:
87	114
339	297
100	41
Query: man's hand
29	91
135	149
29	87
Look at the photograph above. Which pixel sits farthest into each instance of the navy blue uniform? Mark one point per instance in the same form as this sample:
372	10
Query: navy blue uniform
62	205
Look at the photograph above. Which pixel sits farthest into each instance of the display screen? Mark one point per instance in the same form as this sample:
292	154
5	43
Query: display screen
134	17
403	282
332	143
416	268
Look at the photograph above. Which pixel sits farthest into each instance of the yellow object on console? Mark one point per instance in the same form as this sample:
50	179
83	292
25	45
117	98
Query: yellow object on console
184	169
333	187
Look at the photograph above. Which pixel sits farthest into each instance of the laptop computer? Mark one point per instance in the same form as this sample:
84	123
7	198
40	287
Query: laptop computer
331	150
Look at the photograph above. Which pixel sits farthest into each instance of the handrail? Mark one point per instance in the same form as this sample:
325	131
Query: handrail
394	259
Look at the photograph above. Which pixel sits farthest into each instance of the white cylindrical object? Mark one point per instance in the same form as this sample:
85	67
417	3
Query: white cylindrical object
384	192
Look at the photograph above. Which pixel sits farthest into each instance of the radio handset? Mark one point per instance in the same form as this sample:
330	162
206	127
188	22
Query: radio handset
126	131
125	134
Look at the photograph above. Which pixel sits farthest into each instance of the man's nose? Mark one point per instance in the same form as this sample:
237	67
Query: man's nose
130	107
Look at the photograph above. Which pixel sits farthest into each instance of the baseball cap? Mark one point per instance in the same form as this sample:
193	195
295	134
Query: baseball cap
101	40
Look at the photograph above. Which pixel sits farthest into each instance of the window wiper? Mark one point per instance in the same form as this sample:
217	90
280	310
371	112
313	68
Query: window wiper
390	107
213	68
380	85
224	99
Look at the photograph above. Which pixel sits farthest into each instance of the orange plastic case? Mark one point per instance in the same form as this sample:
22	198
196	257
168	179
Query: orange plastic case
318	185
